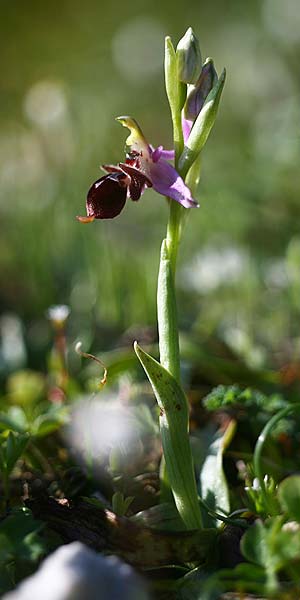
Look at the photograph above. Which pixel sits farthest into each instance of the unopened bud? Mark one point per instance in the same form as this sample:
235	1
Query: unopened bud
198	93
188	57
202	127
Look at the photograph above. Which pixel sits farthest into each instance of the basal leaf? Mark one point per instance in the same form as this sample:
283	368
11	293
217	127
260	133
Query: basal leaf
174	423
212	482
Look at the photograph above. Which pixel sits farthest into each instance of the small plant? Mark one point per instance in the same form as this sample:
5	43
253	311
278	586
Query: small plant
194	92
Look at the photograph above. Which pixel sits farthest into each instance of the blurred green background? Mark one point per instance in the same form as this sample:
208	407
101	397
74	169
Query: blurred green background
68	69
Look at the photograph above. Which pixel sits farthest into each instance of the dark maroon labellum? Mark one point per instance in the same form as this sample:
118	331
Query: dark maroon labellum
107	196
138	180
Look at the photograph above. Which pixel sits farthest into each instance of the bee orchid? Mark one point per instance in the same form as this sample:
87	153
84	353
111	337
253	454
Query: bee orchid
144	167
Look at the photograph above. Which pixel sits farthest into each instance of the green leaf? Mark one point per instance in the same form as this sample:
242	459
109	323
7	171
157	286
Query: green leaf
11	451
46	426
245	572
289	496
120	504
50	421
160	516
21	547
94	502
19	530
175	438
269	500
212	481
274	545
26	387
254	544
264	544
221	396
14	420
228	395
198	584
6	579
288	543
202	585
202	127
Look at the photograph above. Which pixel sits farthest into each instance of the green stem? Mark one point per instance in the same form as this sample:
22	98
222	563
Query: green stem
173	233
166	297
169	351
167	312
177	135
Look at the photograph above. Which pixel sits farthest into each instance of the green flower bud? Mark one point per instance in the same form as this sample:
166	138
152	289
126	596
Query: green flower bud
188	55
198	93
202	127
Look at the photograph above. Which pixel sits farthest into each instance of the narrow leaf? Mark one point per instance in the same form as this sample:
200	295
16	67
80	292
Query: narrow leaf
160	516
175	438
212	483
15	446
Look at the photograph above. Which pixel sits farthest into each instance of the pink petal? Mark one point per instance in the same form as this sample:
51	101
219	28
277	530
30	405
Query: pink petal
186	128
167	181
159	152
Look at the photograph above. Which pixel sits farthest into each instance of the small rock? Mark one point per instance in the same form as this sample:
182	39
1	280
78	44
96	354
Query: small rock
75	572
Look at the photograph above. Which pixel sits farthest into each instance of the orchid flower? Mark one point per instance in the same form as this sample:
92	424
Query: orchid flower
144	167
